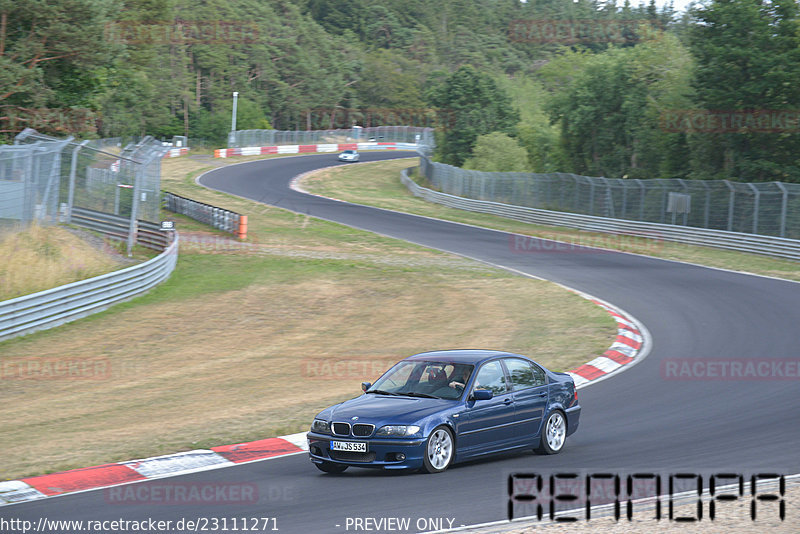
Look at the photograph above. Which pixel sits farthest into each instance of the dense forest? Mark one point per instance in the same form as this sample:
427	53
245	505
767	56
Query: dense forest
579	86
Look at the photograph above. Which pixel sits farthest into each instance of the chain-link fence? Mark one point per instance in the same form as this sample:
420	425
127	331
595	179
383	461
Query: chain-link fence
42	179
759	208
388	134
30	176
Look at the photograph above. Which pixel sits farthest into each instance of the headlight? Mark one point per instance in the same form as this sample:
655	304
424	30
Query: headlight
321	427
398	430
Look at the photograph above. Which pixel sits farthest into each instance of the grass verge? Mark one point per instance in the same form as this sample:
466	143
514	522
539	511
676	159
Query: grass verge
38	258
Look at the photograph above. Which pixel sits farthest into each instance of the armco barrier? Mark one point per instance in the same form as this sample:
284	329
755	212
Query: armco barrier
303	149
50	308
756	244
176	152
148	234
219	218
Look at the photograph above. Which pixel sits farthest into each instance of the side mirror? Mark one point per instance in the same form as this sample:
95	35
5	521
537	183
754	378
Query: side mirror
482	394
365	386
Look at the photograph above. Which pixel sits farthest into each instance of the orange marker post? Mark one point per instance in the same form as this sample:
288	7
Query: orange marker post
242	232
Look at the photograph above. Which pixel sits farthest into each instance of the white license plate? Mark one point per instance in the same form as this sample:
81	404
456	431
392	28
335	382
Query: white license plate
349	446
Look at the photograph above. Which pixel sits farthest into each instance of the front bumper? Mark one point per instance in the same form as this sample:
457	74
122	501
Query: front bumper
380	452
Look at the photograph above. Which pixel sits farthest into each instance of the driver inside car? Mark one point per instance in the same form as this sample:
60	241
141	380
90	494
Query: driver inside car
459	377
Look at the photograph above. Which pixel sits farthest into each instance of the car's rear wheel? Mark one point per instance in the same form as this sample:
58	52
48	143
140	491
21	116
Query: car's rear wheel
554	434
438	450
330	467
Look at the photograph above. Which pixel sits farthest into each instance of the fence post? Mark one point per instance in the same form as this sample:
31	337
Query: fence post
137	187
731	200
707	207
641	198
756	200
73	168
784	206
686	192
53	182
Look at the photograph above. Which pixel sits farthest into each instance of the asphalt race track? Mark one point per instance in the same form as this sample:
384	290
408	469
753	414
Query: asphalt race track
636	421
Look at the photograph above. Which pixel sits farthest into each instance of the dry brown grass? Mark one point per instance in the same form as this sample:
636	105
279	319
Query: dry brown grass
39	258
246	344
261	361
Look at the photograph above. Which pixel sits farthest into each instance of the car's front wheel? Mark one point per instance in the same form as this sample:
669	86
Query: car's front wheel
438	450
330	467
554	434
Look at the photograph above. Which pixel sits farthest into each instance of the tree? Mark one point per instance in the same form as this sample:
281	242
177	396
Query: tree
390	80
470	104
609	110
49	52
748	59
497	152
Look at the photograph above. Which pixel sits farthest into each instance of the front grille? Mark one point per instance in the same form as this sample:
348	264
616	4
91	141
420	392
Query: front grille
362	430
350	456
341	429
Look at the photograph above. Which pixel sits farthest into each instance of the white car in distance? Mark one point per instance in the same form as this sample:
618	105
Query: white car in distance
349	155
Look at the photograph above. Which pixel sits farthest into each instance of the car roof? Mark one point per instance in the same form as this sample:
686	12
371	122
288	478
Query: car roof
471	356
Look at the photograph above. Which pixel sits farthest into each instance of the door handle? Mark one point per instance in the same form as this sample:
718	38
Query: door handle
507	402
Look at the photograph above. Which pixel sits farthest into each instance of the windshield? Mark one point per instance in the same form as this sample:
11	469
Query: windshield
349	151
442	380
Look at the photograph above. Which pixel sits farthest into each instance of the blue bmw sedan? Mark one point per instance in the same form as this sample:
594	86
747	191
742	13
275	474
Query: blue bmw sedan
436	408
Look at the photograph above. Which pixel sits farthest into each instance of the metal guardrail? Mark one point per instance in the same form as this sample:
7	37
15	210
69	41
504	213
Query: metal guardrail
53	307
765	208
148	234
756	244
222	219
399	134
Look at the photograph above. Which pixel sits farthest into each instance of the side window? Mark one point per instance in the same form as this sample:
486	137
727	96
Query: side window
491	377
538	375
524	374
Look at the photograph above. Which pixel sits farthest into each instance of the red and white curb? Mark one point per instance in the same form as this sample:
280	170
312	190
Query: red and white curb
307	149
628	348
107	475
